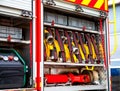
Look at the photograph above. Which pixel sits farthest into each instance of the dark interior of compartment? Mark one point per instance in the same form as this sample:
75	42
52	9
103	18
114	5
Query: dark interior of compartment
22	48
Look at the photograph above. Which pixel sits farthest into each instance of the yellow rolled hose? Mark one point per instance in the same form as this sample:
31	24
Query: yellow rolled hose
81	52
48	48
87	50
93	51
67	53
101	50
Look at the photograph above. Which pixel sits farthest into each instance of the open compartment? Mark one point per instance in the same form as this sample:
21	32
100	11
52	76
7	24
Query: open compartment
16	35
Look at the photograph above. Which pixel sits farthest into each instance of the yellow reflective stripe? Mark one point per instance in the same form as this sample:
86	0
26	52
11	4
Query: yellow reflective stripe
106	4
85	2
72	0
99	3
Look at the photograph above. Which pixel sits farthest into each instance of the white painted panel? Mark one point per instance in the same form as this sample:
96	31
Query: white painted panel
17	4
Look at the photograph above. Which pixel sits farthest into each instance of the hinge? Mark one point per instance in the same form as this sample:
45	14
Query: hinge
78	8
50	2
103	14
26	13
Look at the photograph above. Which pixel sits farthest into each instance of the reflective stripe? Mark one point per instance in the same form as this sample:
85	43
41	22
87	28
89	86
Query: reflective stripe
99	3
106	4
85	2
72	0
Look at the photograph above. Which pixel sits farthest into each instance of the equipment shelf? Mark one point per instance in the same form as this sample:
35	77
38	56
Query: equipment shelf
71	64
21	89
71	28
15	41
75	88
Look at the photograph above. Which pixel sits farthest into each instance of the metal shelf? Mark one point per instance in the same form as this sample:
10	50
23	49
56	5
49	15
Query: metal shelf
20	89
71	28
70	64
15	41
75	88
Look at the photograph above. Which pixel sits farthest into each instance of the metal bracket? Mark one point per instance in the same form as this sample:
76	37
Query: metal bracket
26	13
103	14
78	8
50	2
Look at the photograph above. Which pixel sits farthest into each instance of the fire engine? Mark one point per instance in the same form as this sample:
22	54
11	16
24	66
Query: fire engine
58	45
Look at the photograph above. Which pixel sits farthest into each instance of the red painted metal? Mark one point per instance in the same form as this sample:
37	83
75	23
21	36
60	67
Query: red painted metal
79	78
9	38
78	1
56	78
59	78
103	42
38	42
92	3
10	58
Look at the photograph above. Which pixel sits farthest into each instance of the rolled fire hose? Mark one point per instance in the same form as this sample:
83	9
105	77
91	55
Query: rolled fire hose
75	55
87	72
82	48
79	57
66	49
67	53
69	45
62	54
51	46
94	75
95	46
81	52
91	48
